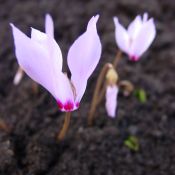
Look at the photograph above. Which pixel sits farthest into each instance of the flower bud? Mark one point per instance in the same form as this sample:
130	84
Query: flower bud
112	77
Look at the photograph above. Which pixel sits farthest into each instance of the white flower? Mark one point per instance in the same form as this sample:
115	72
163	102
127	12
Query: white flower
137	38
41	58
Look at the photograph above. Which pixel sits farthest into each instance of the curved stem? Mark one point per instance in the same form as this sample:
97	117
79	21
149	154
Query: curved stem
115	63
117	59
127	86
102	94
65	127
97	91
98	95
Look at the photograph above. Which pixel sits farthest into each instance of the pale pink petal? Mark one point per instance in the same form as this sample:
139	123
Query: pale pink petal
39	37
83	57
111	100
49	44
121	36
145	17
144	38
49	26
134	27
64	93
34	60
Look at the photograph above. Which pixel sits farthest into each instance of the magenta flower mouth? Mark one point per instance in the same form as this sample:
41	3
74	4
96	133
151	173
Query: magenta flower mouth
134	58
68	106
60	105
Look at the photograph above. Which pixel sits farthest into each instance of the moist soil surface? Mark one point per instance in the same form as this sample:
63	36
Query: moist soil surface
29	147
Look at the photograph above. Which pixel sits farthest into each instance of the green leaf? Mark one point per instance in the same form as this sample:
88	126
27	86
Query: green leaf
132	143
141	95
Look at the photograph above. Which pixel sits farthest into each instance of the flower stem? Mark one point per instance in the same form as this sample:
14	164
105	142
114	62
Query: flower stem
115	63
97	91
101	87
102	94
18	76
65	127
117	58
35	88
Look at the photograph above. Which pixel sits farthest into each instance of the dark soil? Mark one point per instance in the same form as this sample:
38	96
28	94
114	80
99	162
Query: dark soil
31	149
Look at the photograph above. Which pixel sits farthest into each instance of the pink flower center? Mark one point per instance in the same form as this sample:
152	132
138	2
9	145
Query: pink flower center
134	58
60	105
68	106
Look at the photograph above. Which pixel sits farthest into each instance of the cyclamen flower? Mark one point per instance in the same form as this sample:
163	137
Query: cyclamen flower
111	100
41	58
137	38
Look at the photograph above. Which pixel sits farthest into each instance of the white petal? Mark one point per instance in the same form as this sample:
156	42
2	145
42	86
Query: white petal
64	93
83	57
49	26
39	37
145	17
134	27
49	44
35	61
144	38
121	36
111	100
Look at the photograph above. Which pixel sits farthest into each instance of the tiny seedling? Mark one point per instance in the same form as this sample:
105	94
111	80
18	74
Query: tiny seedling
141	95
132	142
